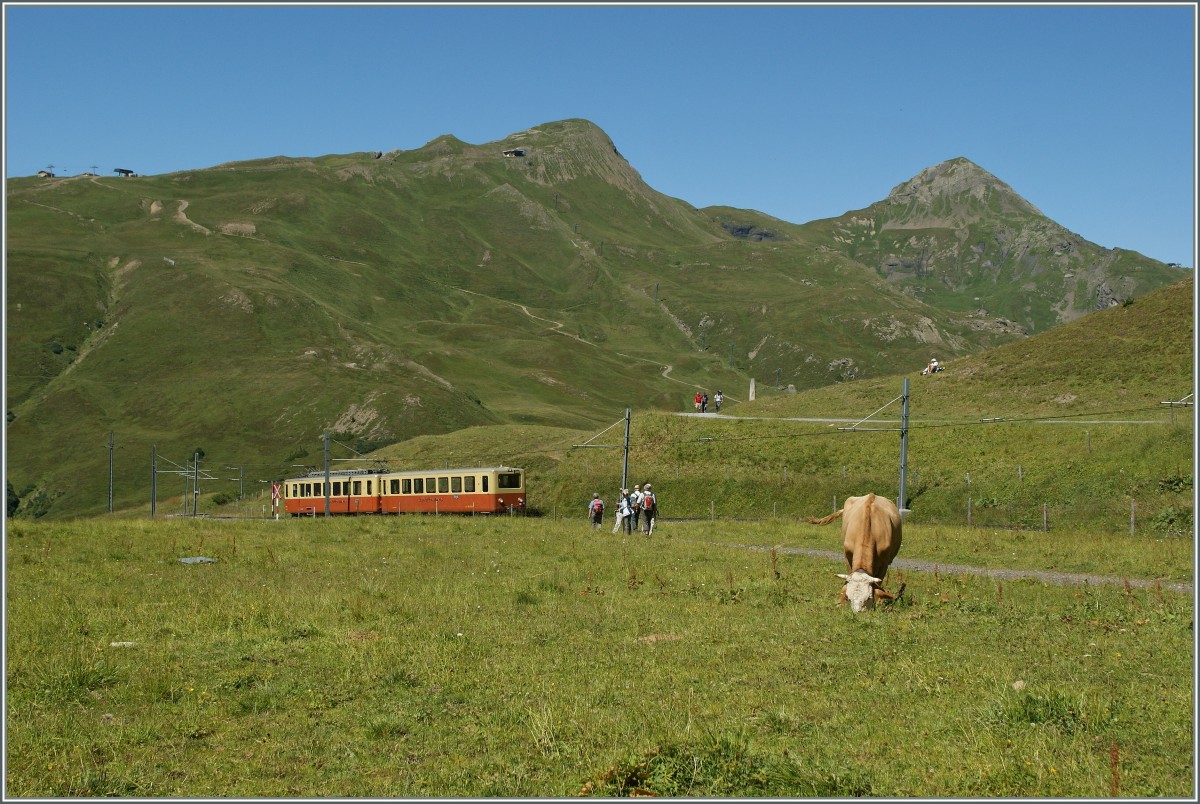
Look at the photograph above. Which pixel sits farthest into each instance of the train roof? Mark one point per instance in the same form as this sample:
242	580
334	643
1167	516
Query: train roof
320	473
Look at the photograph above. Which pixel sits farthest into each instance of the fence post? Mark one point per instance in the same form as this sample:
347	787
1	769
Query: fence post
785	474
1020	477
712	510
835	502
774	510
1045	519
968	512
1132	509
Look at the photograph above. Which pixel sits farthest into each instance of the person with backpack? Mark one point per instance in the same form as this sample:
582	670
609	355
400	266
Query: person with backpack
649	509
718	399
623	512
635	507
596	510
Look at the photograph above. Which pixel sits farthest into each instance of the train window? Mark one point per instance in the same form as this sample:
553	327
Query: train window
443	485
408	485
508	480
357	488
368	488
395	485
456	485
337	488
430	484
294	485
418	485
485	484
469	483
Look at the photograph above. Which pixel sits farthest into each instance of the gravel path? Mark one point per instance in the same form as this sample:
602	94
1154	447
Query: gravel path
1060	578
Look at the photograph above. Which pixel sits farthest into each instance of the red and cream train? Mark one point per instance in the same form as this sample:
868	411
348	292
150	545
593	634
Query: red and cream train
485	490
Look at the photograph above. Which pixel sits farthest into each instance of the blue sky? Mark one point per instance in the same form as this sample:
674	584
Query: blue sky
799	111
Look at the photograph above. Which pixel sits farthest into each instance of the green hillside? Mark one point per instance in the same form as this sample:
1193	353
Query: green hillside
1068	425
247	308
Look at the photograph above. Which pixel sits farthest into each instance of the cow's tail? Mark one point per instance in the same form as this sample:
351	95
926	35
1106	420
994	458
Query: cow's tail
826	520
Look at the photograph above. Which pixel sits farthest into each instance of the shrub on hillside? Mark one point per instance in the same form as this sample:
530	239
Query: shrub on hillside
1170	520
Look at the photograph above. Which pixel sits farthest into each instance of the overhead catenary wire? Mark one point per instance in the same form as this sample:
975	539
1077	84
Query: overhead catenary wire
824	433
709	438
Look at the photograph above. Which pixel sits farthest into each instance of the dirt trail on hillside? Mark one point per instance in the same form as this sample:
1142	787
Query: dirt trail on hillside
180	217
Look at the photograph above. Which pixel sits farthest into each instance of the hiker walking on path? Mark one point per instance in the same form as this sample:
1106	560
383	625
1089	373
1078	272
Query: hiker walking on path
718	399
649	509
699	398
623	513
635	507
596	510
704	404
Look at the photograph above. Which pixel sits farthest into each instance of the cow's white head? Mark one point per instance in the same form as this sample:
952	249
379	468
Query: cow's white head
860	590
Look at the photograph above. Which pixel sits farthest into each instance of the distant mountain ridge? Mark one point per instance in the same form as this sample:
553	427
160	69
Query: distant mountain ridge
252	306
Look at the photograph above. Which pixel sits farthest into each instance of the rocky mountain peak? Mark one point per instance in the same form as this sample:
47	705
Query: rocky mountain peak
957	180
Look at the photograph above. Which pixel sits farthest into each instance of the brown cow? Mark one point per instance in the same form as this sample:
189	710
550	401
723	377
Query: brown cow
871	538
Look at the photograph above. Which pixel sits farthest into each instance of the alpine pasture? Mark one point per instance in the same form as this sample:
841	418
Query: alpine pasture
437	656
424	656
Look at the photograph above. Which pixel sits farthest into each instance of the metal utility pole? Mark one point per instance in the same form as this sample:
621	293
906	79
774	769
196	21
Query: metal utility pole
153	478
327	485
196	484
110	471
625	465
903	501
1182	403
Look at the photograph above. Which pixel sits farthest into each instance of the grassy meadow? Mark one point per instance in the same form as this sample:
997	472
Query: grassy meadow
437	656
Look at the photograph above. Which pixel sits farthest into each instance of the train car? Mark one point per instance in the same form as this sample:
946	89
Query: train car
480	490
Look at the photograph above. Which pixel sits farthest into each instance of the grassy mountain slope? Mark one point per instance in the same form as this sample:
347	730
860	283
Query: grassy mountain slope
762	459
247	308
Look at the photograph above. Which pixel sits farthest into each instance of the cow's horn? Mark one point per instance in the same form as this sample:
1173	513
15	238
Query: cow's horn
843	576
